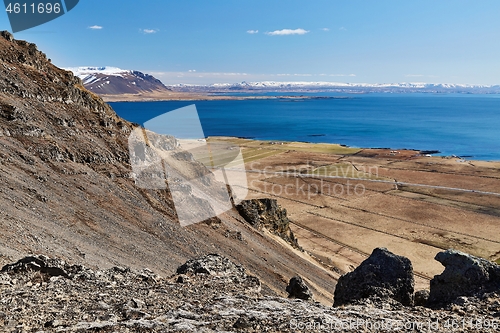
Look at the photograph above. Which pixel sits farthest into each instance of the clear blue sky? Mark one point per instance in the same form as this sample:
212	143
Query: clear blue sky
187	41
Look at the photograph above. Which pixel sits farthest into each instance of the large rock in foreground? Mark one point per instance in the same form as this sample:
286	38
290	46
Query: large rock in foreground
464	275
383	275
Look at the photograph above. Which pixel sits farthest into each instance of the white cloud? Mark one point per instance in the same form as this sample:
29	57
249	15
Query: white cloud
342	29
149	31
95	27
284	32
252	31
325	29
191	70
342	74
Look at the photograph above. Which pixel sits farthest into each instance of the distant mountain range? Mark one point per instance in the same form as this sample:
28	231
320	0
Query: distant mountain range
116	81
271	86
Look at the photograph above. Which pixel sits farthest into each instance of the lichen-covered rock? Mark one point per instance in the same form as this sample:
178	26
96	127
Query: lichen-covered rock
383	275
464	275
298	289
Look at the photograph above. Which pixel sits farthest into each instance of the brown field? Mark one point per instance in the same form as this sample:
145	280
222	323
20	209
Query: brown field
344	202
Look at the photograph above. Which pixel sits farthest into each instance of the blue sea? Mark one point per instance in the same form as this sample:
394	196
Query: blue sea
454	124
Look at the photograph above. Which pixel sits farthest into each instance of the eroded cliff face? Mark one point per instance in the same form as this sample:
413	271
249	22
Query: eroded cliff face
66	188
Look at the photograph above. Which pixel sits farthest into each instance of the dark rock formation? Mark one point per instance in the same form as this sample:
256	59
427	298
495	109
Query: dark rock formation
421	297
267	213
298	289
383	275
464	275
43	264
7	35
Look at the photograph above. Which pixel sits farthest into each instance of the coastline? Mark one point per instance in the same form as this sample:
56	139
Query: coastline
394	154
185	96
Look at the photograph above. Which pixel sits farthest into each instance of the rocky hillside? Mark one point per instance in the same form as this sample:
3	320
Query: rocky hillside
116	81
66	188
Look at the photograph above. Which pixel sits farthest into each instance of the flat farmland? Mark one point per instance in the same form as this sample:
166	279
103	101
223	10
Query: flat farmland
344	202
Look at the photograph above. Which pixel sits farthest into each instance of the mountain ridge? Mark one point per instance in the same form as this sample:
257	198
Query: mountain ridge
107	80
275	86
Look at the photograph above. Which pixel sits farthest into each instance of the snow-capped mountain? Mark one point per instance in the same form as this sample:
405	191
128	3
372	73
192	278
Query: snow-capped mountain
114	81
337	87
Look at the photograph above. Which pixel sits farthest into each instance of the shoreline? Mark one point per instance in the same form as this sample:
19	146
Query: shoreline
178	96
168	95
373	152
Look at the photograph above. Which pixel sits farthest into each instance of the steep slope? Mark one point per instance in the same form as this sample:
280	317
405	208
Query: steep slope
115	81
66	188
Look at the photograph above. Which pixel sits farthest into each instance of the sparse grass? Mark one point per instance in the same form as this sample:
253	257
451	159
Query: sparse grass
225	158
427	196
326	148
345	170
439	245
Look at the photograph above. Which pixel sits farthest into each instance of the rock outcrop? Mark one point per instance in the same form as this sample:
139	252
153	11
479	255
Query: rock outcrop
464	275
267	213
298	289
383	275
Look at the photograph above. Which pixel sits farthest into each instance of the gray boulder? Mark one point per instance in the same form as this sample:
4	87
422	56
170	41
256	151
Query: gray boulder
383	275
464	275
298	289
212	264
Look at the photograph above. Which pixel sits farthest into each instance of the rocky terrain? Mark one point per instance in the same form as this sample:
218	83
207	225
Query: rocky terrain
116	81
212	294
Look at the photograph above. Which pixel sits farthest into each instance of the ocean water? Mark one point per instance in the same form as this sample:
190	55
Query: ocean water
462	125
